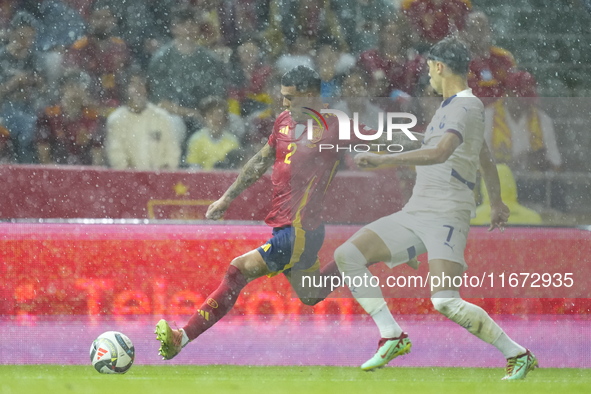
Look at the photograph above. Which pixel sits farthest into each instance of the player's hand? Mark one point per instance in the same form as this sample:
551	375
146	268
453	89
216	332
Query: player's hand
367	160
217	209
499	214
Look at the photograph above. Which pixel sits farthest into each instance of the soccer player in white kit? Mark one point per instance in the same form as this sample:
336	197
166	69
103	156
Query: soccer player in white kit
436	219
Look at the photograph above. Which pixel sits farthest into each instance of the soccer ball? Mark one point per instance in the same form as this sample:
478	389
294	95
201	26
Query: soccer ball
112	352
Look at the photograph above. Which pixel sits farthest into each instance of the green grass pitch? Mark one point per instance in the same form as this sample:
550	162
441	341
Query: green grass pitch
219	379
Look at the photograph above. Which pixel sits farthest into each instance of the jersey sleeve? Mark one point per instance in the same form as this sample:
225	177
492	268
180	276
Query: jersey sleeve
455	122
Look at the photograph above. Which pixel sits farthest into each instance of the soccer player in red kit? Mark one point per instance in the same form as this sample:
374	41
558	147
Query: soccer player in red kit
301	176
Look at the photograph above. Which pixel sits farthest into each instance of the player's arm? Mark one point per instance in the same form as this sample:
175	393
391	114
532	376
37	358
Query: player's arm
499	212
250	173
422	157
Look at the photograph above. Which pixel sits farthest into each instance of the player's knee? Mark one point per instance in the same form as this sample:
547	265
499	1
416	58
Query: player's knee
348	257
447	306
239	262
242	263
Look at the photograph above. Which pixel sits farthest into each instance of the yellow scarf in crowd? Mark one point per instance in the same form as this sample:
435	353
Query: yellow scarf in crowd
502	146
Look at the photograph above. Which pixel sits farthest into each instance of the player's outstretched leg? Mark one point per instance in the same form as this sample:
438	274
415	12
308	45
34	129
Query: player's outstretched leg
518	366
314	295
520	361
393	343
216	306
473	318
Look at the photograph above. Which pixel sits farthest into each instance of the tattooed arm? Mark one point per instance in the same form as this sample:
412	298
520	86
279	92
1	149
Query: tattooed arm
250	173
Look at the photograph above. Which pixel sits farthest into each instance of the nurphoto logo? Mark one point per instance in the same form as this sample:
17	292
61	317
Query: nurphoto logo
344	123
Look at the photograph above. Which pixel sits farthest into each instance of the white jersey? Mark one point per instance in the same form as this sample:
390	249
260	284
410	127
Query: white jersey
448	187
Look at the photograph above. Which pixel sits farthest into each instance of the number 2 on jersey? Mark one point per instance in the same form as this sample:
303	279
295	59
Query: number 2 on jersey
289	147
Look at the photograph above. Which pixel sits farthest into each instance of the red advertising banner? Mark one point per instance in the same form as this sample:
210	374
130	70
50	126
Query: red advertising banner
92	192
78	269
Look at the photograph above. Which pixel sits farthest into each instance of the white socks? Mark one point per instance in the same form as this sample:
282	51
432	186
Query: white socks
386	323
508	347
185	339
352	263
475	320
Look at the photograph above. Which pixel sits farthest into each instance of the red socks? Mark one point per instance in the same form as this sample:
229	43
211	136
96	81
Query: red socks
218	304
221	301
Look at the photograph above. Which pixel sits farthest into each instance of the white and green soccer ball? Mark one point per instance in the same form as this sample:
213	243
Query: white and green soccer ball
112	352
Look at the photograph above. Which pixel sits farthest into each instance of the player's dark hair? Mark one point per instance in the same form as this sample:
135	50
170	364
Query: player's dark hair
303	78
453	53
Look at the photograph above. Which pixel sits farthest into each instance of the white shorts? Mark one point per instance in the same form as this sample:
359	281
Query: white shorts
409	234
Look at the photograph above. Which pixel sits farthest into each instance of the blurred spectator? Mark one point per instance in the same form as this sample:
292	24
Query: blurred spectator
249	77
6	12
299	53
518	132
21	87
393	66
332	66
143	25
70	132
59	24
361	21
141	135
259	124
240	18
58	27
292	19
102	55
355	99
436	19
519	213
210	34
220	135
490	65
5	155
182	73
81	6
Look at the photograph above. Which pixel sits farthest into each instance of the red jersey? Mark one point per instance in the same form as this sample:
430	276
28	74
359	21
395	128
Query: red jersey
402	75
102	60
435	20
487	75
71	140
301	172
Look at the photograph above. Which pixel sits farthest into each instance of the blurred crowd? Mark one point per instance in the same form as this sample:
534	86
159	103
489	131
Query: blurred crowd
163	84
